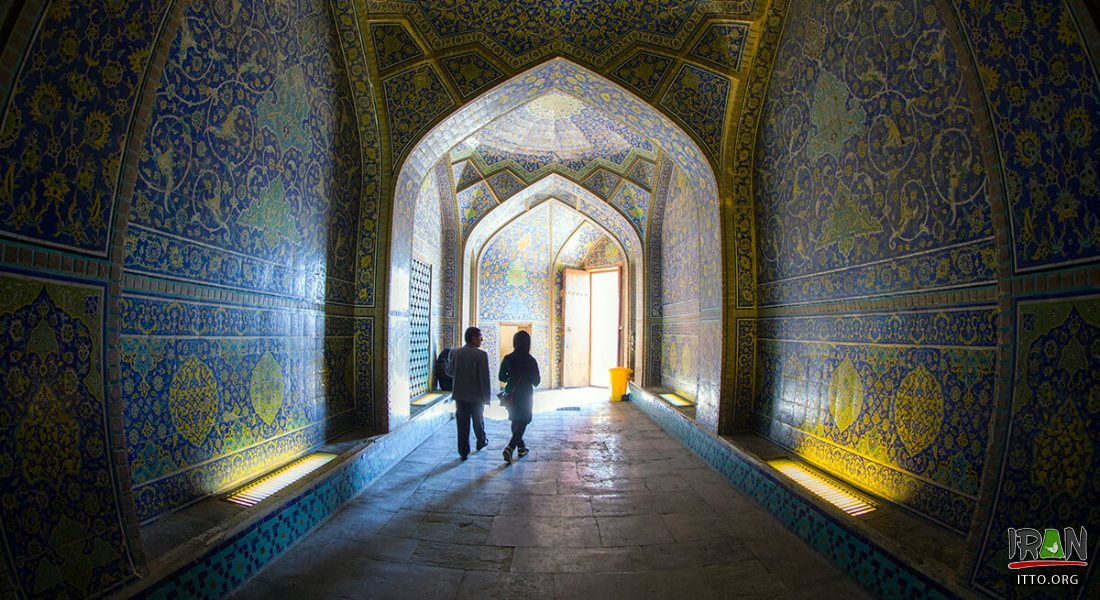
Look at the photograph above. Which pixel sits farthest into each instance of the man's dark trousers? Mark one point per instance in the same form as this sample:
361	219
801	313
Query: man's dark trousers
464	413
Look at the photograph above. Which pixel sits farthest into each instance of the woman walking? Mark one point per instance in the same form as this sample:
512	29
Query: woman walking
520	371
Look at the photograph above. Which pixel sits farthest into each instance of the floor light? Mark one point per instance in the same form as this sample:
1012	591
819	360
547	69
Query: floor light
675	400
267	485
831	491
428	398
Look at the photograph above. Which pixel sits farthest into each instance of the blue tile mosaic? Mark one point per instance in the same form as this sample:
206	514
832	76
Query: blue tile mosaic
55	445
393	45
886	145
1038	72
471	72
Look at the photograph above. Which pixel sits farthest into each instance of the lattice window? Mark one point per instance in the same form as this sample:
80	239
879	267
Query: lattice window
420	319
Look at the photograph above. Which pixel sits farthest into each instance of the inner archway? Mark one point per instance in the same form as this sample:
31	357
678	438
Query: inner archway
561	132
515	276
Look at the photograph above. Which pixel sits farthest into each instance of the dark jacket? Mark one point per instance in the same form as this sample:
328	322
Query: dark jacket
443	381
521	373
469	366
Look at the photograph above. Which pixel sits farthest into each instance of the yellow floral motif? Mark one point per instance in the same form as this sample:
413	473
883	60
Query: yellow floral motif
1062	453
81	87
918	410
1067	31
193	400
97	128
61	9
266	388
45	103
1078	126
1027	147
48	439
845	394
56	186
138	60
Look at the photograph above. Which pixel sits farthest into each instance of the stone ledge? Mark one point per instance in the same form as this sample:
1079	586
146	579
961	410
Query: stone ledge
226	555
888	566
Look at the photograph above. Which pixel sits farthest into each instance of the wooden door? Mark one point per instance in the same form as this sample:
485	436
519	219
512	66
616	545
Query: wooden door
504	346
576	315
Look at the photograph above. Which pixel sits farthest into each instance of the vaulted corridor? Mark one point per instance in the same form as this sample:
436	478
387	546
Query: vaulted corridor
861	236
606	506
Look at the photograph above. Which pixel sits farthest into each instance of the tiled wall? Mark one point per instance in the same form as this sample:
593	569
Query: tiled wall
925	210
434	244
59	505
684	273
897	402
513	284
248	181
872	183
72	89
869	118
1041	88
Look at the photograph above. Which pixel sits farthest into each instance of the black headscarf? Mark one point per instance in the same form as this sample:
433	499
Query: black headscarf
523	364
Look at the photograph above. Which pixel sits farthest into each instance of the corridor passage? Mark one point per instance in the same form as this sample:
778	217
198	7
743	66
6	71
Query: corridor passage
605	506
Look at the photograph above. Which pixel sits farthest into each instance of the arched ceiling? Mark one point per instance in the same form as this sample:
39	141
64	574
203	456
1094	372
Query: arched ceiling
580	243
618	204
555	131
572	234
525	25
684	57
520	32
572	207
560	134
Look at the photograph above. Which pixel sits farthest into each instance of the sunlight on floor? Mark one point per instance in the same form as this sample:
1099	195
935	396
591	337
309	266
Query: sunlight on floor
552	400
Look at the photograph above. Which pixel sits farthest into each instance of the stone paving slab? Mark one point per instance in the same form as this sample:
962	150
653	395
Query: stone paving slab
605	506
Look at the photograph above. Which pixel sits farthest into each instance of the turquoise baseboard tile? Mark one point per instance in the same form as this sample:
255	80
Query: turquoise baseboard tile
874	567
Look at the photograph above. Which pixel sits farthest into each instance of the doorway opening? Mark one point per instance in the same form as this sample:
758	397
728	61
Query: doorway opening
507	332
559	168
593	327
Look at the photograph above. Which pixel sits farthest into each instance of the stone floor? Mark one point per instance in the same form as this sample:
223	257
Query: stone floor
605	506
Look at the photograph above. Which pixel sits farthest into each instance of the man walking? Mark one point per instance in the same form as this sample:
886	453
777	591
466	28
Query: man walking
469	367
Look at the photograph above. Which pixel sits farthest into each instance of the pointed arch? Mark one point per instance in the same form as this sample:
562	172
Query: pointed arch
694	173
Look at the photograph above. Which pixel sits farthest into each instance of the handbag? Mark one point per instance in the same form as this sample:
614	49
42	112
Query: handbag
505	399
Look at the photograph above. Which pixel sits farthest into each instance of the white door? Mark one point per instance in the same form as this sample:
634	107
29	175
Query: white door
605	326
576	315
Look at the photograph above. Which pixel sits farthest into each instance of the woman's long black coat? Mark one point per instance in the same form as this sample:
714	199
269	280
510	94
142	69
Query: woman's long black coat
521	373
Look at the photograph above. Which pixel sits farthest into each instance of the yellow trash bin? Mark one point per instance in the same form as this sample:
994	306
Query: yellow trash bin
619	375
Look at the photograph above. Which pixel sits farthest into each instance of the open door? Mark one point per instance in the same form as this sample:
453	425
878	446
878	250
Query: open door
504	347
576	315
604	293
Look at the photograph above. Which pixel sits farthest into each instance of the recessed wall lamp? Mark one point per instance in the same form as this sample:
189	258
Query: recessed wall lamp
428	398
675	400
823	487
267	485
